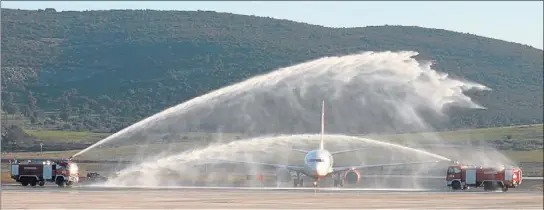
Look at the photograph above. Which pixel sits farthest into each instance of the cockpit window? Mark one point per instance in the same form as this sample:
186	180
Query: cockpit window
315	160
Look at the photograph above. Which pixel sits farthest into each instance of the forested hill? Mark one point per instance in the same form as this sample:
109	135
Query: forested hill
108	69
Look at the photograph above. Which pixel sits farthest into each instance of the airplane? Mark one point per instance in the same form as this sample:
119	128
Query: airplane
319	163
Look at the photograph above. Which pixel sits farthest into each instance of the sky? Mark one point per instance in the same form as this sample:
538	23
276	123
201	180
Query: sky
515	21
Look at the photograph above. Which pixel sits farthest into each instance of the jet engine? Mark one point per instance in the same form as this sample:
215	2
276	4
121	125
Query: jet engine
352	177
284	175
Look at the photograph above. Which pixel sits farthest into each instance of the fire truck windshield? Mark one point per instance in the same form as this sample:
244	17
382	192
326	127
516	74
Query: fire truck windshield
454	170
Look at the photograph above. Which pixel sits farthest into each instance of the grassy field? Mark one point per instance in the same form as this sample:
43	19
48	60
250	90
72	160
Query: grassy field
518	133
89	137
38	155
67	136
525	156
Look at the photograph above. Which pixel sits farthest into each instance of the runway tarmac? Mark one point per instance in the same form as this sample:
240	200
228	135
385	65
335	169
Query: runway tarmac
88	197
283	199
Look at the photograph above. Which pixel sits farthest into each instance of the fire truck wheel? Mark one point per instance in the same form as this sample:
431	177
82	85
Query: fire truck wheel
487	186
456	185
41	183
33	182
504	188
490	186
24	183
494	186
60	182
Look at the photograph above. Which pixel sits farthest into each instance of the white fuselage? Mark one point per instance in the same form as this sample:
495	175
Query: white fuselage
318	163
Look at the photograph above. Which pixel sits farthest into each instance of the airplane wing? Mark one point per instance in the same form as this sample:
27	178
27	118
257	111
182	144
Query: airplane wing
299	150
345	168
288	167
351	150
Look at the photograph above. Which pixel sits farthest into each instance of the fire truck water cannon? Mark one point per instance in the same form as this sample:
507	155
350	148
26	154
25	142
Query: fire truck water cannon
491	178
63	173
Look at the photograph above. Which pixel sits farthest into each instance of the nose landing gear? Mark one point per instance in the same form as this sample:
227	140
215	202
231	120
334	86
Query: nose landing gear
298	181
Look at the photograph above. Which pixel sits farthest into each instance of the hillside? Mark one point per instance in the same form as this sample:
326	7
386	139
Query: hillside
104	70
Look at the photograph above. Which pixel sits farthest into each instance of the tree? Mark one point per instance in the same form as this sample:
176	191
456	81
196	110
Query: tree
27	111
33	119
65	113
32	101
11	109
37	115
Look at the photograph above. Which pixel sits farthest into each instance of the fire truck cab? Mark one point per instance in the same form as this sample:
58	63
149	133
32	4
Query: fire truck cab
462	177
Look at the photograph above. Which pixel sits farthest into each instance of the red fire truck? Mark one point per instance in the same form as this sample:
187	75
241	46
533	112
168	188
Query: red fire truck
462	177
62	173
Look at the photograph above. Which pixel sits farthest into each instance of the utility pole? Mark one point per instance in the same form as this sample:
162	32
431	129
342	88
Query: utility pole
41	147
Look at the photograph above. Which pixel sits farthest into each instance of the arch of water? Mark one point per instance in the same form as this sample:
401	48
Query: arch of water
365	93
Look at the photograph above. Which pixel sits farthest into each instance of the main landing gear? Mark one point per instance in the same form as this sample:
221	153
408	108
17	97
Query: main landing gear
338	181
298	181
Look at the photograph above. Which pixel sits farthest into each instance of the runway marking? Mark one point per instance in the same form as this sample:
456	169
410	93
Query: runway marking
261	188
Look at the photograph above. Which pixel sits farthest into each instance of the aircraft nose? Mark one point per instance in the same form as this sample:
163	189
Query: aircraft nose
321	171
